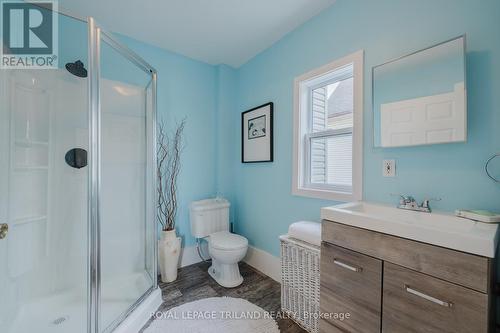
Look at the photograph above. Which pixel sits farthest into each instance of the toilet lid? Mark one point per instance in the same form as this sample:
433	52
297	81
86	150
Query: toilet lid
225	240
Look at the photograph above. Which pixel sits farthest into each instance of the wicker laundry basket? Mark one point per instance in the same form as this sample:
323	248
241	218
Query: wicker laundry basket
300	282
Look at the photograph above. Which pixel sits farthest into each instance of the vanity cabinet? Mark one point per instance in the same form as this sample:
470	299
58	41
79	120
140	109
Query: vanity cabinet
391	284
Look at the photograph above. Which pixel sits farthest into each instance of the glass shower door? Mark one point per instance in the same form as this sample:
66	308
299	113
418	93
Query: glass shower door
125	190
43	200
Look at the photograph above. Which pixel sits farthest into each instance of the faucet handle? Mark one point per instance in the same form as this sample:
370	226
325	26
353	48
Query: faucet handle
404	199
425	203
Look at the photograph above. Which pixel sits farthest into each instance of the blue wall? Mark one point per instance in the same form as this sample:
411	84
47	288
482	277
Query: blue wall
226	131
264	206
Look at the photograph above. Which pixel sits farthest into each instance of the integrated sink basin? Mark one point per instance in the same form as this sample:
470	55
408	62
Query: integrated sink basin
439	229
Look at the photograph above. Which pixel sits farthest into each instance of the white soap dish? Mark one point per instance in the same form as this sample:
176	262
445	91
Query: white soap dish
479	215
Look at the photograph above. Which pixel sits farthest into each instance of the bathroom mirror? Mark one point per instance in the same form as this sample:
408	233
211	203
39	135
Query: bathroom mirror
420	99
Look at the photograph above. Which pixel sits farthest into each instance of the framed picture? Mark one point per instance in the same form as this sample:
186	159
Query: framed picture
257	134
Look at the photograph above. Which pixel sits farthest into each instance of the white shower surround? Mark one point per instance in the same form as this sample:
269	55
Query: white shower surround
46	258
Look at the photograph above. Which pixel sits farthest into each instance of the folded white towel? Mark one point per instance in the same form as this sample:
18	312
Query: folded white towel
306	231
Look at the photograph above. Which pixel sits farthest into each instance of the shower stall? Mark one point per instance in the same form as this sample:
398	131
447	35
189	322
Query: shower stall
77	188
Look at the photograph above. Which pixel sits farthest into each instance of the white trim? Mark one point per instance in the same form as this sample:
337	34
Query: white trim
141	315
264	262
329	133
299	119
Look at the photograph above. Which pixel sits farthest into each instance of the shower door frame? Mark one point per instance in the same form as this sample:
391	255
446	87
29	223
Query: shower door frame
95	35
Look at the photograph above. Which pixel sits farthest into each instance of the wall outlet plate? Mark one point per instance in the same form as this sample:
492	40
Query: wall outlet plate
389	168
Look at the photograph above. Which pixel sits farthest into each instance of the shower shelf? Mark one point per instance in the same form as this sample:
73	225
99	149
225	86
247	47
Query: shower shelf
30	168
30	143
29	219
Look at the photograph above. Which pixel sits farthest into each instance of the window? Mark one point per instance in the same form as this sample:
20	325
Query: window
328	131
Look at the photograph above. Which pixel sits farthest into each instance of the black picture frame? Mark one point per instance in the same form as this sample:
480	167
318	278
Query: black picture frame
244	134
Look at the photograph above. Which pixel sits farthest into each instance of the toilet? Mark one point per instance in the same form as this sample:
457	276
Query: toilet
210	221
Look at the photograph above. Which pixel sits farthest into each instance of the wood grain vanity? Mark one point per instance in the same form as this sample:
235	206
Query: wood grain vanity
392	284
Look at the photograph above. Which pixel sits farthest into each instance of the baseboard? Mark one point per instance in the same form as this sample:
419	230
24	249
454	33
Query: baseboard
264	262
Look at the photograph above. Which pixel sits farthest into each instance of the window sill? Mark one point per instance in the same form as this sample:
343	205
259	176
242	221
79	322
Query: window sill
326	194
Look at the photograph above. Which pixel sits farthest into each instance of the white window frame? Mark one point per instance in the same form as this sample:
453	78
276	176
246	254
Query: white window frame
301	136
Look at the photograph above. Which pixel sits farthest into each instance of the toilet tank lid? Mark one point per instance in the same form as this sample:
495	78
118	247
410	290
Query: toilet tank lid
209	204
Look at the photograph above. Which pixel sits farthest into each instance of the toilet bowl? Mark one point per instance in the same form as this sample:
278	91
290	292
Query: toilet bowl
226	250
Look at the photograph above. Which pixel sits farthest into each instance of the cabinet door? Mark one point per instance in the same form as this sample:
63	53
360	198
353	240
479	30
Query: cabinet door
351	285
415	302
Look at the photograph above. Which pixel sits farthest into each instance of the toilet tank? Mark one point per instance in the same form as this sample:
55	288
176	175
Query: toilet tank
209	216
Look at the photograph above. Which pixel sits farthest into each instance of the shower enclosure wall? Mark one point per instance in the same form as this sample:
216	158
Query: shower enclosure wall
80	252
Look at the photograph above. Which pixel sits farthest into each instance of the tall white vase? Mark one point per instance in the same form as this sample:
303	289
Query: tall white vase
169	250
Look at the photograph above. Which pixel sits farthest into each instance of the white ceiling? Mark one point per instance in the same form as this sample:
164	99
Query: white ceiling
214	31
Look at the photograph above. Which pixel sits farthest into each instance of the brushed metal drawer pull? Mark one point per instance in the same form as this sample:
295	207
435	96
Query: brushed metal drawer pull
349	267
427	297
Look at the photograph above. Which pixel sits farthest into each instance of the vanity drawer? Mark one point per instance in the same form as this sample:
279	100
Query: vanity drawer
350	283
415	302
461	268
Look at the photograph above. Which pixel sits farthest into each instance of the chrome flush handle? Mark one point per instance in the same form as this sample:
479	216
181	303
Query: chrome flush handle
4	229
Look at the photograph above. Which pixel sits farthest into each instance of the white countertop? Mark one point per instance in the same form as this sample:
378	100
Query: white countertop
439	229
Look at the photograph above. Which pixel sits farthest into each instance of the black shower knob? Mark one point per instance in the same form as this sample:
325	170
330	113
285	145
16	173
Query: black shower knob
76	158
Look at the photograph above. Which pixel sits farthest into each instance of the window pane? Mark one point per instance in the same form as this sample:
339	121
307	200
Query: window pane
332	105
331	160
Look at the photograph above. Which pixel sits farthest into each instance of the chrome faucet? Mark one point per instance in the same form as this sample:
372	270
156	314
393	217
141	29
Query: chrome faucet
409	203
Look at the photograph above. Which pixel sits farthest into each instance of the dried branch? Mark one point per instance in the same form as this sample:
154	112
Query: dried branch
169	163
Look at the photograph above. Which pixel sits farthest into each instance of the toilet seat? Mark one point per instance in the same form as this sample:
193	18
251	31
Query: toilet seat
224	240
